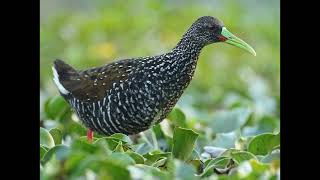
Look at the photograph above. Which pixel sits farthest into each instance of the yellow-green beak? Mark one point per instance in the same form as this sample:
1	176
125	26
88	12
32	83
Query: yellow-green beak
229	38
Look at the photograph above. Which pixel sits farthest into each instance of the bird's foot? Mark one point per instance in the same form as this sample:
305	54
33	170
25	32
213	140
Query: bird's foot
90	135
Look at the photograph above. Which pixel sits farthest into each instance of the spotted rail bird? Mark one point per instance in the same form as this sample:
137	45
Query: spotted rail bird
131	95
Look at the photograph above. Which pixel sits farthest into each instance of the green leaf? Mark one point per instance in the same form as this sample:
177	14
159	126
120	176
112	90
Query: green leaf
51	169
43	151
198	165
265	124
214	151
160	162
274	156
238	156
120	159
122	137
103	146
59	151
84	145
227	121
113	143
56	107
158	131
184	171
253	169
225	140
264	143
77	128
154	156
242	156
144	172
113	167
143	148
74	160
85	139
46	138
210	164
177	117
183	142
119	147
56	135
112	171
136	157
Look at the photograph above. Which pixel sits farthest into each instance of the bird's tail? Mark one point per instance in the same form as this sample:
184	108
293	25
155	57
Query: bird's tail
65	77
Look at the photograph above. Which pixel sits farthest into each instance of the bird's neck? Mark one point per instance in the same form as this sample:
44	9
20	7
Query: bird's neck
189	46
182	61
187	52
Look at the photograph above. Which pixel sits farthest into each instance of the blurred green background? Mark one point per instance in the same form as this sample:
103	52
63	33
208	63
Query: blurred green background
233	97
92	33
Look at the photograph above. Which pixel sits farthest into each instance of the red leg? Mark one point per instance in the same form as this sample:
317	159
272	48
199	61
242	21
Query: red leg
90	135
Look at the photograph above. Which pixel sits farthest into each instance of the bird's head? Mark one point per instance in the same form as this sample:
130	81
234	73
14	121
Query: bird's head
207	30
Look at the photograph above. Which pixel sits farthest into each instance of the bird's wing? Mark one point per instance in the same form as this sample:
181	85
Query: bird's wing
93	84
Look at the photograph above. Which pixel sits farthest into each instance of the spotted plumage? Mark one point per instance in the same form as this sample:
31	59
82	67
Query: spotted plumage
131	95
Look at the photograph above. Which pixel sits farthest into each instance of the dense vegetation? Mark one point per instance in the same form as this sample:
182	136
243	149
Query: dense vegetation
226	125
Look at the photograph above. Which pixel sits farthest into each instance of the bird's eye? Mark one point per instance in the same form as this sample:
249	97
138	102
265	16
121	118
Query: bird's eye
211	27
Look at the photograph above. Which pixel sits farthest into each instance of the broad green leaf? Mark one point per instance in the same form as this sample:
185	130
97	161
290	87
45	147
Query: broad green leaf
120	159
183	142
56	135
266	124
103	146
77	128
238	155
150	138
119	147
143	148
198	165
74	160
225	140
158	131
242	143
56	107
122	137
164	142
264	143
85	139
154	156
46	138
242	156
160	162
112	142
184	171
84	145
112	167
51	169
194	155
214	151
59	151
271	157
136	157
144	172
227	121
252	170
210	164
43	151
109	170
177	117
